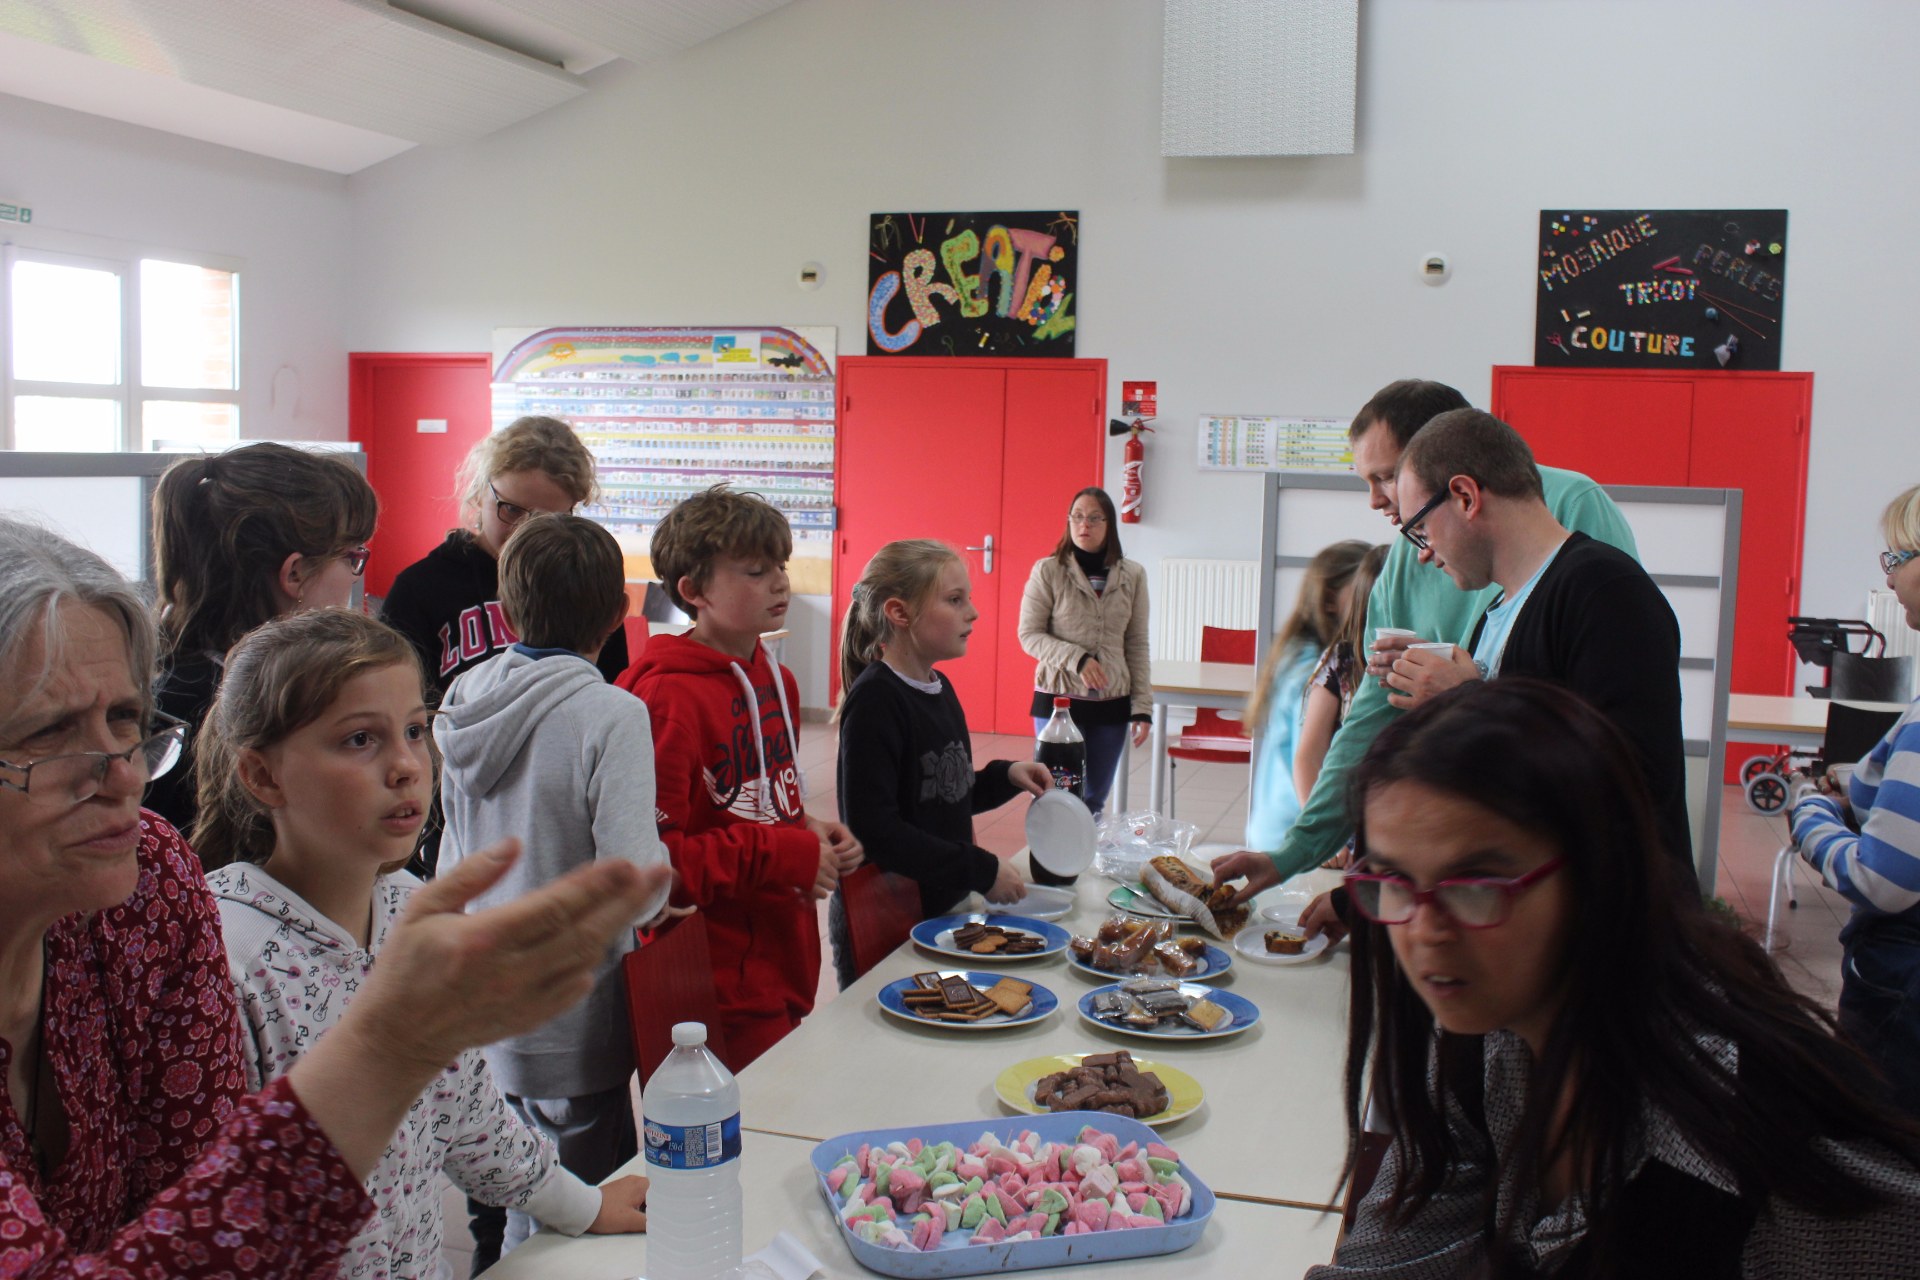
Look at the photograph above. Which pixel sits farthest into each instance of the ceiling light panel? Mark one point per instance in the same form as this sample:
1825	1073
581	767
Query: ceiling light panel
359	62
643	30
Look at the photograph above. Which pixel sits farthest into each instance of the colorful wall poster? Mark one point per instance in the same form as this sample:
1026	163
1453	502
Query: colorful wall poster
1661	289
972	284
667	412
1274	444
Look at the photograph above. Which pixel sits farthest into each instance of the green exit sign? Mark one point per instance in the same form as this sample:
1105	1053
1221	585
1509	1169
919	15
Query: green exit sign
15	212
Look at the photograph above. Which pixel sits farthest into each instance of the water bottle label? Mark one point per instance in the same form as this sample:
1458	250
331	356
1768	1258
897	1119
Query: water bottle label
694	1146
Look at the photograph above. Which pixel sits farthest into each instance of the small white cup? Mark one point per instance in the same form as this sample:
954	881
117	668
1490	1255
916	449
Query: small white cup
1433	646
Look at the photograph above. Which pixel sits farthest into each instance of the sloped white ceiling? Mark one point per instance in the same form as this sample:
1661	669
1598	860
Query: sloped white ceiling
337	84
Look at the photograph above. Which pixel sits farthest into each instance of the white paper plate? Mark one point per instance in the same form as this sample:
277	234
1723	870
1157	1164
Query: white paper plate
1251	943
1060	833
1042	902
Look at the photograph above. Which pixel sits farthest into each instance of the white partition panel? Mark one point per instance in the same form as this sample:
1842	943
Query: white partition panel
103	500
1689	540
102	513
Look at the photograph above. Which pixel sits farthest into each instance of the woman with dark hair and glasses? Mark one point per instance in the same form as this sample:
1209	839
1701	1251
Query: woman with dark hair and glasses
1083	620
1583	1072
238	538
1860	829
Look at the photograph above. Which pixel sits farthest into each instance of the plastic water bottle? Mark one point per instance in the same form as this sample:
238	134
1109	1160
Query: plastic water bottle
1062	748
690	1120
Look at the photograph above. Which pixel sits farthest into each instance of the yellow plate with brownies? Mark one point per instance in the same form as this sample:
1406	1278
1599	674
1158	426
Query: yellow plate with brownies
1014	1086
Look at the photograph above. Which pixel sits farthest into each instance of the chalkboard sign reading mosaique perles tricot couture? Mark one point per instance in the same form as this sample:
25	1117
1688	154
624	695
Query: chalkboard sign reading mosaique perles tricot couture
972	284
1661	289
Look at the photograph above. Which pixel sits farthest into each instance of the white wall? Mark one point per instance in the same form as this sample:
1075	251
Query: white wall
100	186
690	192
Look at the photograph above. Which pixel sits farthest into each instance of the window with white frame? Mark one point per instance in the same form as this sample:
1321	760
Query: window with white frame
104	354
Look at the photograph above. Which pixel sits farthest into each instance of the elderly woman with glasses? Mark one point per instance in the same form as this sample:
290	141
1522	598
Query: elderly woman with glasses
1859	827
128	1144
1584	1072
239	538
1083	620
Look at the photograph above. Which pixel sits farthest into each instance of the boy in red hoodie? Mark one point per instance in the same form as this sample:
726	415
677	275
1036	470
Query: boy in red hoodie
727	785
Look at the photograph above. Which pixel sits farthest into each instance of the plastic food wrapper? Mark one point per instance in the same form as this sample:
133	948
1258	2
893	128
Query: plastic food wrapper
1123	944
1125	842
1188	891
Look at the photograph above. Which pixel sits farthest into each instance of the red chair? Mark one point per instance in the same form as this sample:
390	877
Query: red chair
882	909
669	980
1212	738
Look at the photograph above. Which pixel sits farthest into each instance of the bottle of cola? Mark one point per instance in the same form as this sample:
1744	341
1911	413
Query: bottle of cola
1063	750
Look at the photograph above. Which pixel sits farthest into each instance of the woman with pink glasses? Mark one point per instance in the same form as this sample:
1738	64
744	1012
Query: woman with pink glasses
1585	1073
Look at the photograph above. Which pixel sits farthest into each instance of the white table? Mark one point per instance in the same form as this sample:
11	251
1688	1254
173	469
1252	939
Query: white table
781	1194
1222	686
1272	1127
1800	723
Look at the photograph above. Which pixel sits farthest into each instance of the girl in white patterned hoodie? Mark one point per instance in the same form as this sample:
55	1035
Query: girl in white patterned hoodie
314	772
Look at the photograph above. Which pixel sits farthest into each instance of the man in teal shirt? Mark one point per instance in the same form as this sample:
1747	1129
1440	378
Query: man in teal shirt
1410	595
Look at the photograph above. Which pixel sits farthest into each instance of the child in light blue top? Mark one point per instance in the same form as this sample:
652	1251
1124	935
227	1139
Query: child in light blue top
1278	708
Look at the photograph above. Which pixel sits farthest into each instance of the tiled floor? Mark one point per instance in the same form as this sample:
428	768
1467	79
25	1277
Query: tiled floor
1214	797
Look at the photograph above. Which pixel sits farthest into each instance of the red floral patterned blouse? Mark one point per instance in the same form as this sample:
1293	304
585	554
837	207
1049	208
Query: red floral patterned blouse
172	1169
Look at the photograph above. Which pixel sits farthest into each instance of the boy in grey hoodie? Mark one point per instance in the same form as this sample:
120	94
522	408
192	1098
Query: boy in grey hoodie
538	745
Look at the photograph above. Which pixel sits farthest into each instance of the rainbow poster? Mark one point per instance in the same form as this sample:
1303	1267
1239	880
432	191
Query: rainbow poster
667	412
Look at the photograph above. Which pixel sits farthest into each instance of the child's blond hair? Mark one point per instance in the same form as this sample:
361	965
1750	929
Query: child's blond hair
541	444
909	571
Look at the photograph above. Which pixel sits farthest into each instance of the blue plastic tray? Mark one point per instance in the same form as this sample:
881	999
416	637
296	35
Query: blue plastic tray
955	1257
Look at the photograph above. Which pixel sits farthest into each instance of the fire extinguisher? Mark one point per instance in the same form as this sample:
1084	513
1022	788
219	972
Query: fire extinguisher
1135	459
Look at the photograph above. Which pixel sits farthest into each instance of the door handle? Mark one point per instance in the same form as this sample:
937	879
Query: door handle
986	557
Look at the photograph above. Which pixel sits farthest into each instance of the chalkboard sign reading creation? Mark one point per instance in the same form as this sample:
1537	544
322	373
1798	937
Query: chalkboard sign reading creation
1661	289
972	284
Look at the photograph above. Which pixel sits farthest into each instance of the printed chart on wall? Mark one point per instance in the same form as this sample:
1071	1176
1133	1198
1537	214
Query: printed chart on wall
972	284
1274	444
668	412
1661	289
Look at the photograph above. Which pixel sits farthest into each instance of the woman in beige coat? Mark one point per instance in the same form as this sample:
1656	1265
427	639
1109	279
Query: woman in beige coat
1083	620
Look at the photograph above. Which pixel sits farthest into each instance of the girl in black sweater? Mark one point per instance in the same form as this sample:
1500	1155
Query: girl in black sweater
907	785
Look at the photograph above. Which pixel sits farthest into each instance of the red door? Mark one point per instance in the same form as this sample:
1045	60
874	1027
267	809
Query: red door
920	457
1745	431
1611	430
390	394
1050	456
963	451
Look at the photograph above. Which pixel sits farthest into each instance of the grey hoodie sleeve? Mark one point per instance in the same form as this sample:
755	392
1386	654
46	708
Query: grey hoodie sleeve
621	798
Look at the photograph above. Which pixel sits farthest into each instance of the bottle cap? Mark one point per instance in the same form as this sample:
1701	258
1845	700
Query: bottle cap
1060	703
689	1033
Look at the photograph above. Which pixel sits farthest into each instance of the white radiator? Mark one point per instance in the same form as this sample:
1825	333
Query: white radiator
1201	593
1885	615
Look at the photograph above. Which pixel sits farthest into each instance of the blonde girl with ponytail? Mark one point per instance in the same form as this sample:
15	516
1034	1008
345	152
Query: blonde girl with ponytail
907	785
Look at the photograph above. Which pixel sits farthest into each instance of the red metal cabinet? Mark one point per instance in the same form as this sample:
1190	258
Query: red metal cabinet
963	450
1745	431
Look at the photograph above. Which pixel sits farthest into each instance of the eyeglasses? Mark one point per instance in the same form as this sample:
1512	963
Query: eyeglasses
1890	561
69	779
1088	521
1409	528
512	513
356	559
1475	902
